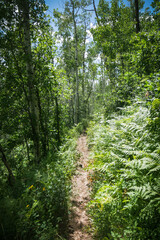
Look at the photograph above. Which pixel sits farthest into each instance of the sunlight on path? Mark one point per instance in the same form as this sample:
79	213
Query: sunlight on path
79	221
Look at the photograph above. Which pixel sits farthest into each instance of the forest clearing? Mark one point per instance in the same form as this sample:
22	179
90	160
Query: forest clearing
80	120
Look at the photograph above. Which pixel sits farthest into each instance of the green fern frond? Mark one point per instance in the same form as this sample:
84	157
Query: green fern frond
145	191
144	163
155	202
155	169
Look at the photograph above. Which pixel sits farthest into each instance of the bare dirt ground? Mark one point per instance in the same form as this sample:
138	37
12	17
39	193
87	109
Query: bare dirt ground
79	222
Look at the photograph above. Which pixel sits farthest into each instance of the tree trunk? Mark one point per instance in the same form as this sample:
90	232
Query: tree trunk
76	109
11	177
137	16
57	116
33	102
84	73
43	128
27	147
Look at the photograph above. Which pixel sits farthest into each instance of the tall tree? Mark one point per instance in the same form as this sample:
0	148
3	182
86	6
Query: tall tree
76	108
24	10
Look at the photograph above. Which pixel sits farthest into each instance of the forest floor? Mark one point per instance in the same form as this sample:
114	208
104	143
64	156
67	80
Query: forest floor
79	222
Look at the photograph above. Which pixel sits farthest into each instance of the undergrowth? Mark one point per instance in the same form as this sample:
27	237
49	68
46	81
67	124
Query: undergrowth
36	207
126	185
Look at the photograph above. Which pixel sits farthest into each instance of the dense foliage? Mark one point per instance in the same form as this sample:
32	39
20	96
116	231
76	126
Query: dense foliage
126	203
36	207
130	60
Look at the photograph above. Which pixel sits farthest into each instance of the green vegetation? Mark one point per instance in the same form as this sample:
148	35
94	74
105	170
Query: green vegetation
36	207
126	200
57	76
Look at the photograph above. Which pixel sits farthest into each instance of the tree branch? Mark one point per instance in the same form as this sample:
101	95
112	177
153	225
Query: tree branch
98	20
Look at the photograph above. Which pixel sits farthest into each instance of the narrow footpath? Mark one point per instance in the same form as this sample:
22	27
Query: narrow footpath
79	222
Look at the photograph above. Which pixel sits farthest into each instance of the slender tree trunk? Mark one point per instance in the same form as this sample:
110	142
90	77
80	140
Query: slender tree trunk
84	72
137	16
102	77
11	177
58	138
43	129
27	147
84	65
33	102
71	106
57	121
83	79
76	110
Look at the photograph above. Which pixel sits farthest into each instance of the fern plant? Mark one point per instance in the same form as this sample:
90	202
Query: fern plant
126	187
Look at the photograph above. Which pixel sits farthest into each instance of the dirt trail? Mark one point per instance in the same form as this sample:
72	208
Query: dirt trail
79	221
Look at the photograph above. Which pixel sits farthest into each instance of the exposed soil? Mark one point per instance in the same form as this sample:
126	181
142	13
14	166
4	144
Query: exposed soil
79	222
